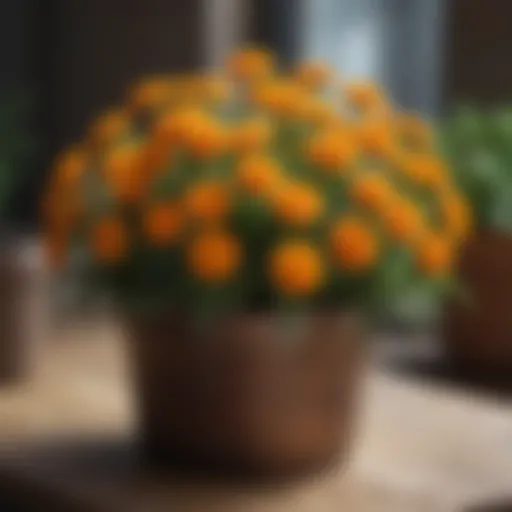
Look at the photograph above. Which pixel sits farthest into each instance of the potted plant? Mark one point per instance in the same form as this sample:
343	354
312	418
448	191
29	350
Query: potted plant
247	224
477	331
18	260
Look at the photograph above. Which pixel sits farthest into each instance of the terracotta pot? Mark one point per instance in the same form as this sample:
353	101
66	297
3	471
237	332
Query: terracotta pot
245	397
22	306
478	333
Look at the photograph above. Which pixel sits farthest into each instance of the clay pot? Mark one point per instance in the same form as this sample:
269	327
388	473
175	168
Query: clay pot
478	332
22	307
246	397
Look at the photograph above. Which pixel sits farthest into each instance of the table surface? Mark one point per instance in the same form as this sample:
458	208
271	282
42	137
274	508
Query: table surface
66	441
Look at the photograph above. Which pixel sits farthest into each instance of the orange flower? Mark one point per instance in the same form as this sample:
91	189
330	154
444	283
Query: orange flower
258	173
296	269
376	137
319	112
214	256
373	191
252	135
457	215
162	223
427	170
251	64
435	255
354	244
364	95
179	125
332	150
313	74
155	156
208	201
415	130
109	240
122	168
282	97
70	166
214	88
297	204
150	93
404	221
108	127
208	139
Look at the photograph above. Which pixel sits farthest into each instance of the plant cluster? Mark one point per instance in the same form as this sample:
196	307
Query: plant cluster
254	189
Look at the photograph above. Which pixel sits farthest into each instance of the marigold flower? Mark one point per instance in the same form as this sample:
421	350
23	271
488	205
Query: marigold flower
70	166
251	64
434	255
258	173
354	244
415	130
207	201
207	139
364	95
109	127
376	137
313	74
297	204
109	240
122	168
332	150
155	156
251	135
404	221
424	169
150	93
319	112
373	191
163	223
214	256
456	214
296	269
282	97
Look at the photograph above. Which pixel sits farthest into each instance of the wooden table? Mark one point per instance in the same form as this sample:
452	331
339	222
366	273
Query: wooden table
67	444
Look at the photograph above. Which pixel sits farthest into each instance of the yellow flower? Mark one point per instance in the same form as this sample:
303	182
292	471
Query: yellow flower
208	201
373	191
163	223
109	240
434	255
313	74
122	168
296	269
354	244
332	150
214	256
251	135
297	204
427	170
251	64
258	174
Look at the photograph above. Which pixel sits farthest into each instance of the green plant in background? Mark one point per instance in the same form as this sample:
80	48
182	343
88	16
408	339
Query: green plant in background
16	146
478	144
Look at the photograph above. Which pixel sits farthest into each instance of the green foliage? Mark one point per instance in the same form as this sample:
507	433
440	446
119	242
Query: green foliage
478	144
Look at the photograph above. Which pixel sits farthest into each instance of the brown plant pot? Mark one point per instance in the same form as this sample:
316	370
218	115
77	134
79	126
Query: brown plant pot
244	398
22	307
478	333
